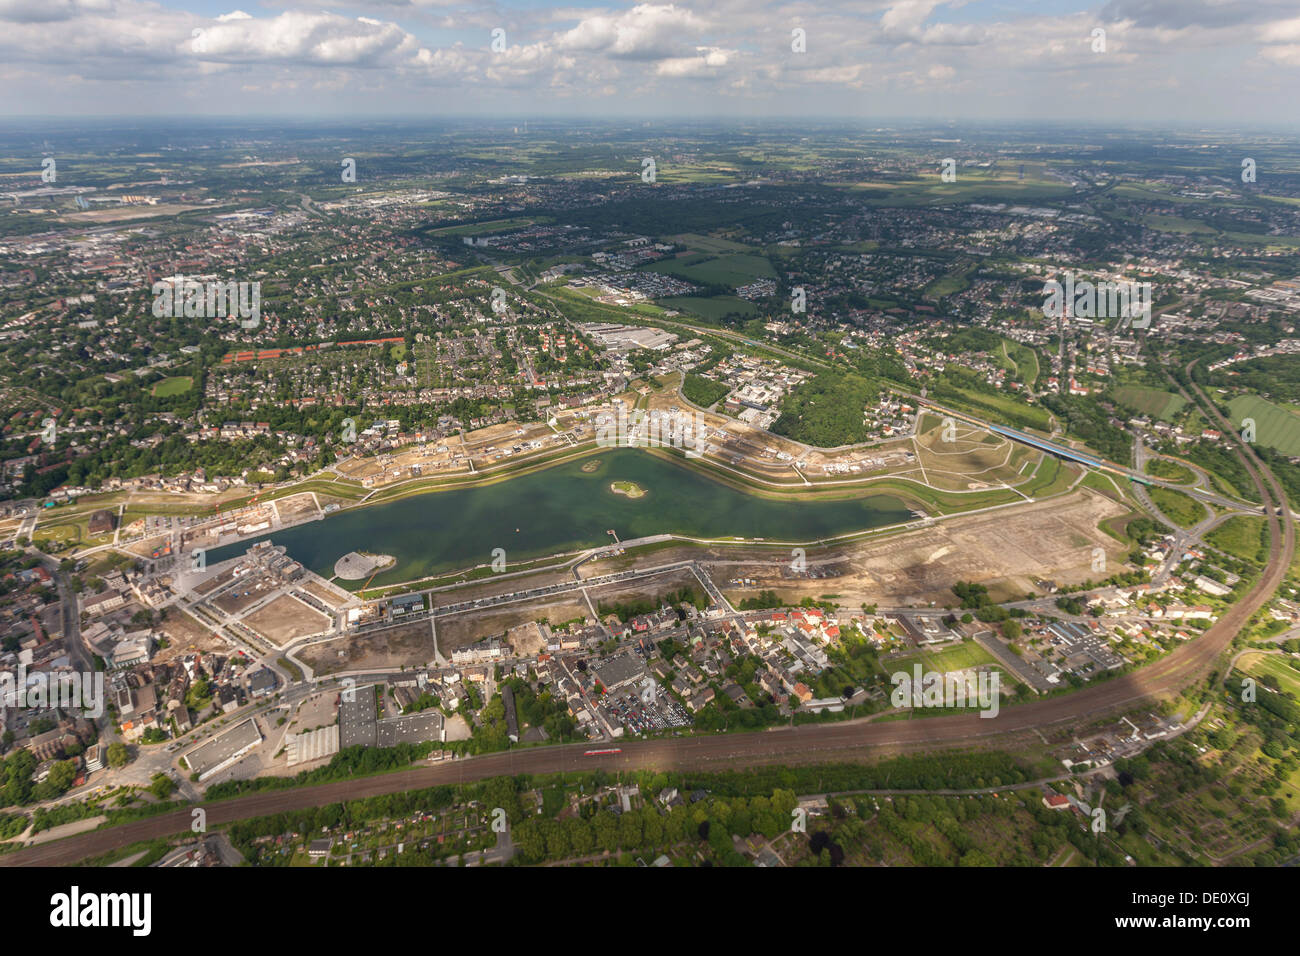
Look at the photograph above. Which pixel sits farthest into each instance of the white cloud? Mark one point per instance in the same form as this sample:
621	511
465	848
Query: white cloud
647	31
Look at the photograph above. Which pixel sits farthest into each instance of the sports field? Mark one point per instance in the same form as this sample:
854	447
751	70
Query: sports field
168	387
959	657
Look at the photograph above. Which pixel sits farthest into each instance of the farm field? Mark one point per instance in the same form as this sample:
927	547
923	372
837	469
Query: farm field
732	269
1154	402
1275	427
710	309
1275	667
698	243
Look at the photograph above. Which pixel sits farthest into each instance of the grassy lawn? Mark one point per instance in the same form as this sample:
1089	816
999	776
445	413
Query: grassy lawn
968	654
1177	507
1242	537
177	385
1025	360
474	229
1051	478
947	285
1170	471
697	243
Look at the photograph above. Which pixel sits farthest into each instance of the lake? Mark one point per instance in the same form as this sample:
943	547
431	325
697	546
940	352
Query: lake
562	509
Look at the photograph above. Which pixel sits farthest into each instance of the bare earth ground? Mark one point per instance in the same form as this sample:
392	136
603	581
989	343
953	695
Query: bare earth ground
409	644
645	589
235	601
187	635
457	630
297	508
1003	549
286	619
145	547
319	589
492	586
526	640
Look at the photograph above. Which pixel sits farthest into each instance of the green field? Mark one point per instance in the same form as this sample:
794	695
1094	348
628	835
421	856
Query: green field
1005	407
1242	537
1276	667
952	283
1052	477
710	309
1177	507
1169	471
168	387
1023	359
960	657
1275	427
971	186
697	243
476	228
733	269
1153	402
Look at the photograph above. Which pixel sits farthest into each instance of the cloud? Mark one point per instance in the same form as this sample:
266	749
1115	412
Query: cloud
1184	14
706	63
646	32
309	39
863	57
49	11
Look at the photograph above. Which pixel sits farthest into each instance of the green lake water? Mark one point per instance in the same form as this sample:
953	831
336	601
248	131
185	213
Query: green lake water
563	509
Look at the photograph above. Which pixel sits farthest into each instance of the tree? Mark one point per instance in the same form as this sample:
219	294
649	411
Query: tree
62	774
118	755
1012	630
161	786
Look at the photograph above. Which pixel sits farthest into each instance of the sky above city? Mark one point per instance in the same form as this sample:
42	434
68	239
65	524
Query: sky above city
1209	63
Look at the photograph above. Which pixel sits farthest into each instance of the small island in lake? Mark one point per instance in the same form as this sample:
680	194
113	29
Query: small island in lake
628	489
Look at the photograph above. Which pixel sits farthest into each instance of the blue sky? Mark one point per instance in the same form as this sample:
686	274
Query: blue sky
1164	62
